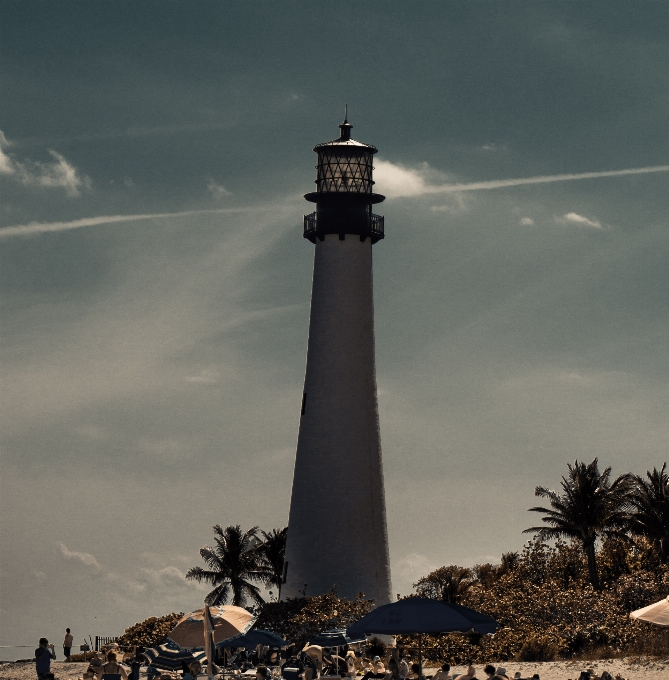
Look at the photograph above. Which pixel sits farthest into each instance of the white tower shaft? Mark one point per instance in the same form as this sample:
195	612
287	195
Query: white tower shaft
337	528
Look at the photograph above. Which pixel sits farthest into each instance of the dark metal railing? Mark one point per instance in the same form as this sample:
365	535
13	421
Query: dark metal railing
316	225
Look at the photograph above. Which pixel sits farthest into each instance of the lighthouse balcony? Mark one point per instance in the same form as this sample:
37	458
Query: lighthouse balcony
366	225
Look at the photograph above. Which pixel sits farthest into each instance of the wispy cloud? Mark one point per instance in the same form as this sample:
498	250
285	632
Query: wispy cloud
527	222
57	174
397	181
575	218
217	190
86	558
35	228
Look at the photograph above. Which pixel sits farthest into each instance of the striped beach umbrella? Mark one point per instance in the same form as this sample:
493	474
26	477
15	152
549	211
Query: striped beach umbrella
171	657
228	622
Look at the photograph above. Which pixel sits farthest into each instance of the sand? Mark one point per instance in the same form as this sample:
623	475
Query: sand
630	669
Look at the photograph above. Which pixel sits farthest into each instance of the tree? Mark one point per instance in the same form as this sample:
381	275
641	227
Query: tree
649	516
273	550
590	507
235	566
300	618
448	584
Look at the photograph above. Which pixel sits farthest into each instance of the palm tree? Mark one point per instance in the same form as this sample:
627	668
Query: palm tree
649	517
234	567
448	584
272	550
591	506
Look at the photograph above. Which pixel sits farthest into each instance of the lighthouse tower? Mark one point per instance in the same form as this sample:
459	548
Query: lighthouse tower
337	527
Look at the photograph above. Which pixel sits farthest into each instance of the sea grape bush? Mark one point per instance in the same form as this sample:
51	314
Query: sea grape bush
547	607
150	632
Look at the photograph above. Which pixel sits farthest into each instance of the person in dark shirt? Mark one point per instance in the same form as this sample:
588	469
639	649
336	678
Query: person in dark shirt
44	654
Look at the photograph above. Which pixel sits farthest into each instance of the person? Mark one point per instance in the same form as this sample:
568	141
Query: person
44	655
261	672
471	672
310	667
443	673
192	671
112	670
292	668
393	670
404	667
350	664
136	662
67	644
377	670
489	670
501	671
414	672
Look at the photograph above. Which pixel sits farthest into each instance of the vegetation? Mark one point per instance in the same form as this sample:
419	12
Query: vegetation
589	507
300	618
609	555
548	608
650	509
240	564
150	632
575	596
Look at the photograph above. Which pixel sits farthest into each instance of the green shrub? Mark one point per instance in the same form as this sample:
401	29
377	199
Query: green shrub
538	648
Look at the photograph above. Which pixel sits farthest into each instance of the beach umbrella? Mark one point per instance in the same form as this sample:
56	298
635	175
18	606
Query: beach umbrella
253	638
335	638
170	657
228	622
657	613
418	615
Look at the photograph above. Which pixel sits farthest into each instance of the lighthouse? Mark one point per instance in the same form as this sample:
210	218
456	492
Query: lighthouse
337	533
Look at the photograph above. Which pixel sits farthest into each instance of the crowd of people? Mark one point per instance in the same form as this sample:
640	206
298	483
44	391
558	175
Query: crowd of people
310	663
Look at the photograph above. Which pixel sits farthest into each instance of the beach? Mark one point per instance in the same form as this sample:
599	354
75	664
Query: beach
628	668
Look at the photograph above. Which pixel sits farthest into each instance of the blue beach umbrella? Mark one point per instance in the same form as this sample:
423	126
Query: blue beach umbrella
418	615
170	657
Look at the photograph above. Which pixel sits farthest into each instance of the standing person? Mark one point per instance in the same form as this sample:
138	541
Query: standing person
404	667
67	644
44	654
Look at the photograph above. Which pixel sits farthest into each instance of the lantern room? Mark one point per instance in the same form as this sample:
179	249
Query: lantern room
344	190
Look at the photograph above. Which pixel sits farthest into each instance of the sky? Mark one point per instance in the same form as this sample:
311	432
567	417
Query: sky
156	285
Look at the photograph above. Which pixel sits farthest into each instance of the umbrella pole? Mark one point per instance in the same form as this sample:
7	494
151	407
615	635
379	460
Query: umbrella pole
420	656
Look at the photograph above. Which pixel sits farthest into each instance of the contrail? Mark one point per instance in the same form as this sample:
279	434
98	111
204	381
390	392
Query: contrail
542	179
34	228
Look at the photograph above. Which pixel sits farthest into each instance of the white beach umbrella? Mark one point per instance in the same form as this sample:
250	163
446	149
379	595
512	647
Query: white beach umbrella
657	613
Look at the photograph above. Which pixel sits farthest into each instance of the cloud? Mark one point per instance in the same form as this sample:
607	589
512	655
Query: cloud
575	218
398	181
36	228
527	222
57	174
217	190
205	377
86	558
